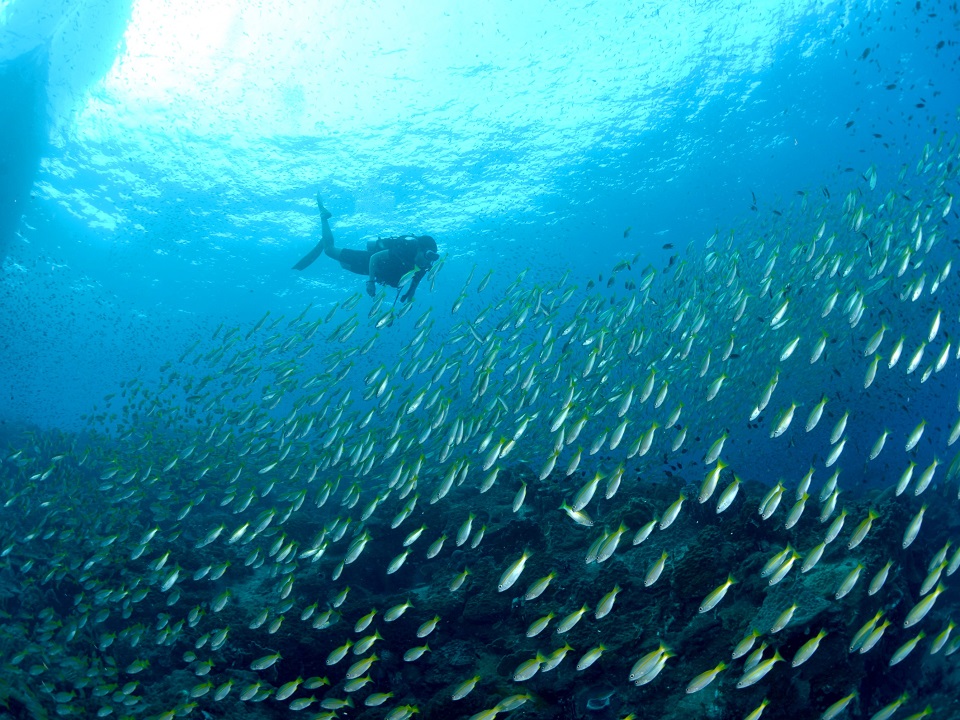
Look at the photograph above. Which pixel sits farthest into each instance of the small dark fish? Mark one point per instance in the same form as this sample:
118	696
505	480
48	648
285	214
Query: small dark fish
849	124
590	284
626	233
892	86
673	259
940	45
611	281
865	54
667	246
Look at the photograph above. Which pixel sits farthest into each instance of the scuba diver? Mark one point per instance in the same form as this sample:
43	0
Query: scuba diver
386	260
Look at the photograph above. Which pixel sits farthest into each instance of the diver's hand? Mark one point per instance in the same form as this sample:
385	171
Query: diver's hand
371	288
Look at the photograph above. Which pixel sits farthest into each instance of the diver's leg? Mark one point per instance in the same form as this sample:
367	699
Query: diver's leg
324	213
325	244
326	236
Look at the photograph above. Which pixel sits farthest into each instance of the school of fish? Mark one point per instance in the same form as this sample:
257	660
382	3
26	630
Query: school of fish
656	489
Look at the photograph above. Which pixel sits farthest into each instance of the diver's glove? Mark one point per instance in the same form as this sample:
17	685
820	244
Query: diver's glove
371	288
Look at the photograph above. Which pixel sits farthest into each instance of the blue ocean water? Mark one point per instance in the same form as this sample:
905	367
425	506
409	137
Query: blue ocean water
648	218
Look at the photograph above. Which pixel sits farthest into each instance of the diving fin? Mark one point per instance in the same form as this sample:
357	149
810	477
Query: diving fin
307	260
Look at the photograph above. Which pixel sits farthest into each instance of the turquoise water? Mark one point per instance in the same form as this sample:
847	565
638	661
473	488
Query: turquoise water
689	352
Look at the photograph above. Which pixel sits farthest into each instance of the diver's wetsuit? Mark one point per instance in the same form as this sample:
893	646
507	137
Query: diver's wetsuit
402	253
